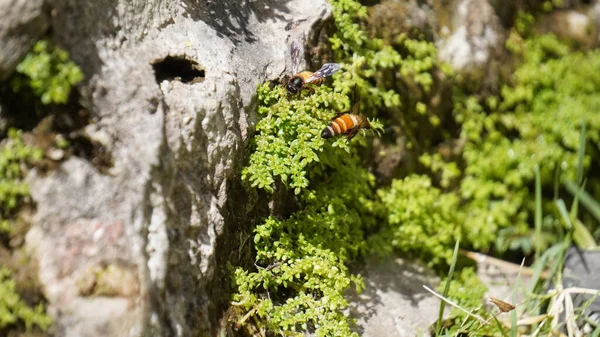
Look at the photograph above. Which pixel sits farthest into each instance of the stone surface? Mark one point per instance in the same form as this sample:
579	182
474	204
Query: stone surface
394	302
161	211
580	25
21	25
473	43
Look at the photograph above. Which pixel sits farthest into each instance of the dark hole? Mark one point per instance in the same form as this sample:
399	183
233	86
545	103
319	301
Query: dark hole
177	68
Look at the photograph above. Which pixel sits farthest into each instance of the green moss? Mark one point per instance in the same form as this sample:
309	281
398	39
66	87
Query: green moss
48	71
484	188
13	154
536	124
421	220
14	311
301	261
289	136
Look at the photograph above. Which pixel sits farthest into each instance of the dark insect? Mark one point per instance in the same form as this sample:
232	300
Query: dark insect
503	306
300	79
346	124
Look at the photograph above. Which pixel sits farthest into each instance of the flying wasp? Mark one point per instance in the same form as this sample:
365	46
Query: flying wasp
300	79
346	124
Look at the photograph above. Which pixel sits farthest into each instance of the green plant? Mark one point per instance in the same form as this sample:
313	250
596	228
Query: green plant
468	292
14	311
288	136
48	71
301	261
396	79
420	220
536	123
486	194
13	155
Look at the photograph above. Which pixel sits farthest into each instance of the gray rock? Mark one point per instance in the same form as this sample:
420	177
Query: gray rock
22	24
161	211
394	302
474	42
580	25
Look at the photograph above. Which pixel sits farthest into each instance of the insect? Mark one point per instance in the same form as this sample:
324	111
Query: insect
300	79
346	124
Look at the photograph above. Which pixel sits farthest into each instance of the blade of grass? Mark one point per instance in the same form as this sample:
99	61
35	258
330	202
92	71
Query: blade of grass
556	182
538	213
586	199
447	288
580	159
581	154
596	332
567	241
562	209
500	327
581	235
513	313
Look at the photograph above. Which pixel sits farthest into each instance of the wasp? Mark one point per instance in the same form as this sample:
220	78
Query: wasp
300	79
346	124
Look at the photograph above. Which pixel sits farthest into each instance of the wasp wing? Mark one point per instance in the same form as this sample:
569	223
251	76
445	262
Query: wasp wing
295	51
326	70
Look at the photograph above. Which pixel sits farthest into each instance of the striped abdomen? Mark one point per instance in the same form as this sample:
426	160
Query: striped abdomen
346	124
304	75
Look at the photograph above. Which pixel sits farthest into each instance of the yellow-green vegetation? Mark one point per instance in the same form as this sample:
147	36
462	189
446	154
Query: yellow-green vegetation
14	311
536	122
50	75
467	291
13	154
484	194
49	72
416	210
301	261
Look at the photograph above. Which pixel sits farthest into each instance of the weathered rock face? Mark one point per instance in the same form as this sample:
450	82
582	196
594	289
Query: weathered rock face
22	23
170	86
394	302
473	41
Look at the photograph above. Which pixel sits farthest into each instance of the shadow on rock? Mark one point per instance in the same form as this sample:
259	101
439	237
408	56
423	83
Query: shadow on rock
394	302
232	18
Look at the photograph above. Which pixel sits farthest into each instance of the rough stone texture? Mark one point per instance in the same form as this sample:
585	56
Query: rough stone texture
160	210
474	43
22	22
580	24
394	302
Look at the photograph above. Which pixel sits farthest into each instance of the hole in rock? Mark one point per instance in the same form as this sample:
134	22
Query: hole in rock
178	68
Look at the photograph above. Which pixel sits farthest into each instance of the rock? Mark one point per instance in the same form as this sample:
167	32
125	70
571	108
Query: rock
171	88
394	302
474	43
391	18
578	25
22	24
582	270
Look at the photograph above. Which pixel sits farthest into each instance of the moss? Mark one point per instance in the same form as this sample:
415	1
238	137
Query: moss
50	75
110	280
301	260
420	220
48	71
535	122
14	154
14	311
334	212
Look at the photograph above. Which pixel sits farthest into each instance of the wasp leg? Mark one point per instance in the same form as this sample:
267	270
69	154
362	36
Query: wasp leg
352	133
310	88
